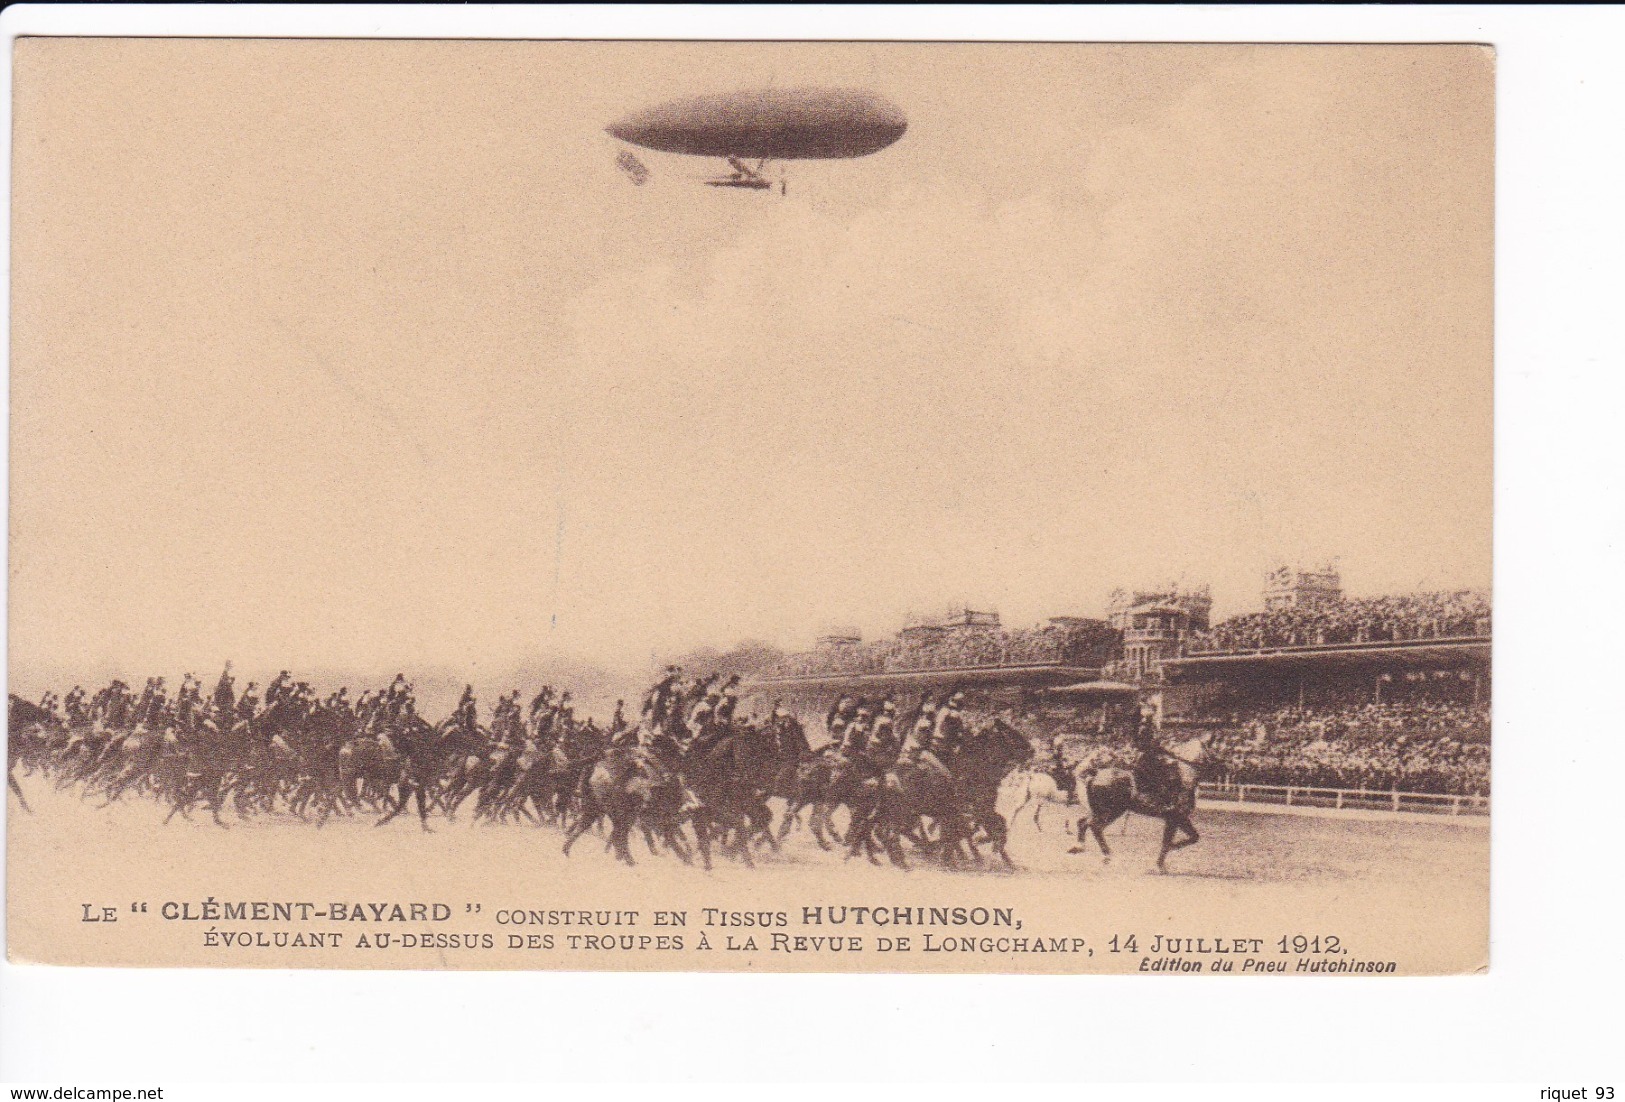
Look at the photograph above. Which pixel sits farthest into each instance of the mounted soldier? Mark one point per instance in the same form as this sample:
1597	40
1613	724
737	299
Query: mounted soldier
700	689
654	759
247	709
917	748
657	701
790	736
708	723
1154	768
855	738
466	718
1061	770
730	700
701	716
628	734
885	725
948	732
73	705
563	719
884	745
540	703
224	695
840	714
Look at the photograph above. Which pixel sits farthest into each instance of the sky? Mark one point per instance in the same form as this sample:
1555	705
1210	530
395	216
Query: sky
364	355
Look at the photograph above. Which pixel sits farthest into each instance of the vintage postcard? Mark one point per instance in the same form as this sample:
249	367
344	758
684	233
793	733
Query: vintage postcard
686	506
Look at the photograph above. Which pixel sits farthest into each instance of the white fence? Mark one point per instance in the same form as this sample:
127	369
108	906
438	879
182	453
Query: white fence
1362	798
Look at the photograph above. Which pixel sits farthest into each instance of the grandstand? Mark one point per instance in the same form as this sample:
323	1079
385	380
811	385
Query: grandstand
969	648
1318	690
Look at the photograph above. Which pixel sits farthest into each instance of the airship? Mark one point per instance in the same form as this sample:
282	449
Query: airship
781	124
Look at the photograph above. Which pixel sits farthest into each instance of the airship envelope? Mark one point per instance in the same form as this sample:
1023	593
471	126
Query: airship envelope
778	124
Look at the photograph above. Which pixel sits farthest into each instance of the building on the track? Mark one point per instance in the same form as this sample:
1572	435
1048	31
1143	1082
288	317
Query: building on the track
1312	590
1155	625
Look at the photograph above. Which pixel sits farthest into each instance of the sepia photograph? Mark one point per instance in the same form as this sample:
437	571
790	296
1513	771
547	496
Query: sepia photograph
696	544
920	507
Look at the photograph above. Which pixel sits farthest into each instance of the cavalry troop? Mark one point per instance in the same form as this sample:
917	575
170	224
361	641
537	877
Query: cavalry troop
691	772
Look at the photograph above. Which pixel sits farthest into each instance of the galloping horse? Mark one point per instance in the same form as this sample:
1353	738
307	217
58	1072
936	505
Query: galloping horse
23	720
629	789
958	802
420	766
1111	793
980	770
1039	787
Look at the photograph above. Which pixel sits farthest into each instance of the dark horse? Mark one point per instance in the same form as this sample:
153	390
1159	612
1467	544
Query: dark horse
958	803
1112	793
22	718
417	747
979	773
630	788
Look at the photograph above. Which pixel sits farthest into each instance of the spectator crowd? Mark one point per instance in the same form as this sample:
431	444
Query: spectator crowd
1076	643
1419	746
1464	612
1413	616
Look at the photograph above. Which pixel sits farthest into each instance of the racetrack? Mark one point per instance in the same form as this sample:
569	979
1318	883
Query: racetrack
1416	892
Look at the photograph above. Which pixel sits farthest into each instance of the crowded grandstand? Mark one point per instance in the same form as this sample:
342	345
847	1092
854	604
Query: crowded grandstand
1462	613
1386	693
963	640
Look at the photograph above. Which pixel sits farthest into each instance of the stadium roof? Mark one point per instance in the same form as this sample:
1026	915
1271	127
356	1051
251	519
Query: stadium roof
1465	653
1033	676
1087	688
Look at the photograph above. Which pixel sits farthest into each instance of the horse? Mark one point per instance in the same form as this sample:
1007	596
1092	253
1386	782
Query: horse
16	789
750	757
23	719
958	802
728	779
419	762
1039	787
825	782
979	772
629	788
1112	793
908	794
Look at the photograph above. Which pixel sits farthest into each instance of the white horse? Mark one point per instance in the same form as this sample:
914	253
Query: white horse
1038	787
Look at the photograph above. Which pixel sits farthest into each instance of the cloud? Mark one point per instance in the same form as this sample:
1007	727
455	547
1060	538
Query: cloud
1171	364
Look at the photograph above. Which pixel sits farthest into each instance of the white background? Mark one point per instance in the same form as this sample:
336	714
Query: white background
1546	1013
